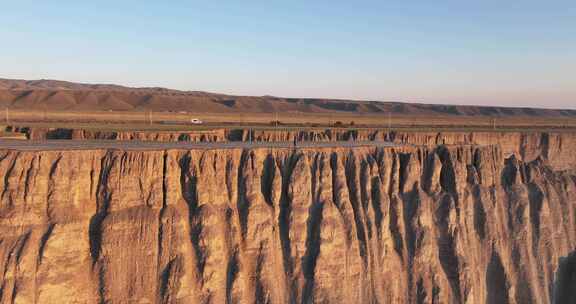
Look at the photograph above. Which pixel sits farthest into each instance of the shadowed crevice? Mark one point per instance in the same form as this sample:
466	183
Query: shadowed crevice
565	280
103	203
394	226
44	241
365	184
7	175
421	294
428	172
510	172
169	279
403	161
496	281
353	191
410	203
103	199
284	222
545	144
479	213
536	199
267	179
188	184
261	294
242	204
232	269
313	243
448	173
447	248
377	205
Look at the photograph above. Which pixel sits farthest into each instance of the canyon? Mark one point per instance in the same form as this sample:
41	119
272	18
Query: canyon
556	146
451	218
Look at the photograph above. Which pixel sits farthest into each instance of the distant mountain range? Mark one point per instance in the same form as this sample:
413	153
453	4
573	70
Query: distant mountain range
70	96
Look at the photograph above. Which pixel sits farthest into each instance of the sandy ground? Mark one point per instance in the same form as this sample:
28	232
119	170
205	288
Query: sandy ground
165	120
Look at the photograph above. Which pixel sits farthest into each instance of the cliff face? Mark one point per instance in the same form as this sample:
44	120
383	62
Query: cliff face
460	224
555	147
80	134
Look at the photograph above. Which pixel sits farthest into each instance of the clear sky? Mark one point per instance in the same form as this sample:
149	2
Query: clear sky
513	53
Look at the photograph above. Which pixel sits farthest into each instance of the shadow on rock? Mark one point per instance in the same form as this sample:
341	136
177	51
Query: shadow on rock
565	280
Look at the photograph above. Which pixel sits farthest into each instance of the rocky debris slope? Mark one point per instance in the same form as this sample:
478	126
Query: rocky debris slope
447	224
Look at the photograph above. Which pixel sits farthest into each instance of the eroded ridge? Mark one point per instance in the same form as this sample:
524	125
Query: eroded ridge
446	224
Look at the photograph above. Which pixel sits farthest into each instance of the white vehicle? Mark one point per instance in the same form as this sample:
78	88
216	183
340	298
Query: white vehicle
196	121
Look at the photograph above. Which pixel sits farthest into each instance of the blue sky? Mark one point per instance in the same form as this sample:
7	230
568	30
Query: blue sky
514	53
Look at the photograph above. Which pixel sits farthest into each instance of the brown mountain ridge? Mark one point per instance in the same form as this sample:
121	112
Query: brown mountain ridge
69	96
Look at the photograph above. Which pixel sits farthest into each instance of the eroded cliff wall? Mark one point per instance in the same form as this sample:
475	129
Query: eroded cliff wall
363	225
555	147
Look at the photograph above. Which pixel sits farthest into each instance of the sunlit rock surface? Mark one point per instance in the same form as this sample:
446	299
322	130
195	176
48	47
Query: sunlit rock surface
418	224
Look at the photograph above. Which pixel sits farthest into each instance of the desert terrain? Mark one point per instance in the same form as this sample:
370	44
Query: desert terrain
60	101
110	195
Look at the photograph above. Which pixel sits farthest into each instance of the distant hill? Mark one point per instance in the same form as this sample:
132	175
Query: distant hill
69	96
